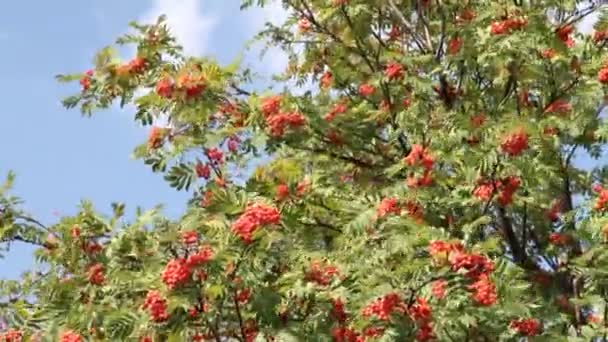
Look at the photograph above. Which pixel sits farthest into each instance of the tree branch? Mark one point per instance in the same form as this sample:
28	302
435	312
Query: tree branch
406	25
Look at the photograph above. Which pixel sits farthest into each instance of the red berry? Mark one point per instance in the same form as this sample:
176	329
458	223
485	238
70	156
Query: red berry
202	170
164	88
70	336
454	45
484	291
190	237
304	25
282	192
366	90
526	327
254	217
393	71
176	273
96	274
515	143
156	305
388	206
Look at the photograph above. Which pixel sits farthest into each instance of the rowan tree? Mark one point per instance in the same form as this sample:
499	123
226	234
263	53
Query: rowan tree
420	184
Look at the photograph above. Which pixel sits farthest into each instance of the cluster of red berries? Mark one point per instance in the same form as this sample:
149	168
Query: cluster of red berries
548	53
326	79
164	87
507	25
475	265
420	312
559	239
477	268
75	232
86	80
233	143
526	327
343	333
391	206
321	273
271	105
454	45
282	190
70	336
416	182
602	198
135	66
279	121
383	307
599	36
206	199
339	108
438	288
11	335
200	257
415	211
254	217
304	25
242	296
602	75
478	120
189	237
156	137
388	206
179	271
559	106
96	274
215	155
394	71
229	109
334	137
506	188
563	33
515	143
339	310
156	305
191	85
394	33
465	16
92	247
366	90
202	170
420	155
484	291
441	251
176	273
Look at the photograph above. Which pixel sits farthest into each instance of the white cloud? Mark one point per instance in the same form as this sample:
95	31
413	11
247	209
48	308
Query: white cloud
191	27
273	13
586	25
275	60
187	22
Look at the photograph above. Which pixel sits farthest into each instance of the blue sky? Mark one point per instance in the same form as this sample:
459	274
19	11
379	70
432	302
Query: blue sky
60	157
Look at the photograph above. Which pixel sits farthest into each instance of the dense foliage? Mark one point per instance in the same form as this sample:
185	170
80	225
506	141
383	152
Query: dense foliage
420	184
